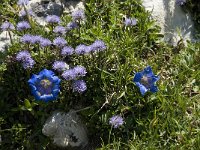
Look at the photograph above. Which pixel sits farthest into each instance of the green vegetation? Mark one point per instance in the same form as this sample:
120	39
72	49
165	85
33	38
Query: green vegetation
167	119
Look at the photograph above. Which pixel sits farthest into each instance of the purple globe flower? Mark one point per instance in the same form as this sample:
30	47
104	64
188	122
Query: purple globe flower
116	121
59	30
69	74
28	64
45	42
27	38
23	25
72	25
59	41
82	49
145	80
98	45
36	39
78	15
67	50
45	86
130	22
22	2
23	55
180	2
22	13
60	66
53	19
6	26
79	86
80	71
26	59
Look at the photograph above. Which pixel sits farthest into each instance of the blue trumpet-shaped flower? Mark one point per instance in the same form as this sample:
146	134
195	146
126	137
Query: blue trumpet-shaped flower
45	86
145	80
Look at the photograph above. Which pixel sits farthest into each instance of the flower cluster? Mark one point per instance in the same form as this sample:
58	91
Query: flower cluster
26	59
78	15
23	25
53	19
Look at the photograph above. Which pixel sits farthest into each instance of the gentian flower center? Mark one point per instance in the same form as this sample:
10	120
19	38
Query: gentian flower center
45	86
145	81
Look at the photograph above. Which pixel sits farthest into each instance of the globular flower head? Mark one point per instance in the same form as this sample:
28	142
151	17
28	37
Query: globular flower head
82	49
28	64
72	25
116	121
23	25
59	30
26	59
6	26
59	41
145	80
22	2
45	86
79	86
69	74
45	42
67	50
22	13
78	15
53	19
26	38
130	22
180	2
98	45
36	39
60	66
23	55
80	71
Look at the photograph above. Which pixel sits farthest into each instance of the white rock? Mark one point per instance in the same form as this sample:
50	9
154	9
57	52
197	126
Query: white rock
66	130
4	41
174	22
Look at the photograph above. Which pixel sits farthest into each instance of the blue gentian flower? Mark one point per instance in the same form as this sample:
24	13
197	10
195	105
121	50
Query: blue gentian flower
45	86
116	121
145	80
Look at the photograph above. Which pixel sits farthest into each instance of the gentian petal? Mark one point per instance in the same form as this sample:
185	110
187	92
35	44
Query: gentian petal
155	78
137	77
33	79
46	73
148	71
143	89
153	88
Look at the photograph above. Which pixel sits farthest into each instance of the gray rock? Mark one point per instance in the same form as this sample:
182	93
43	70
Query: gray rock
174	22
42	8
66	130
